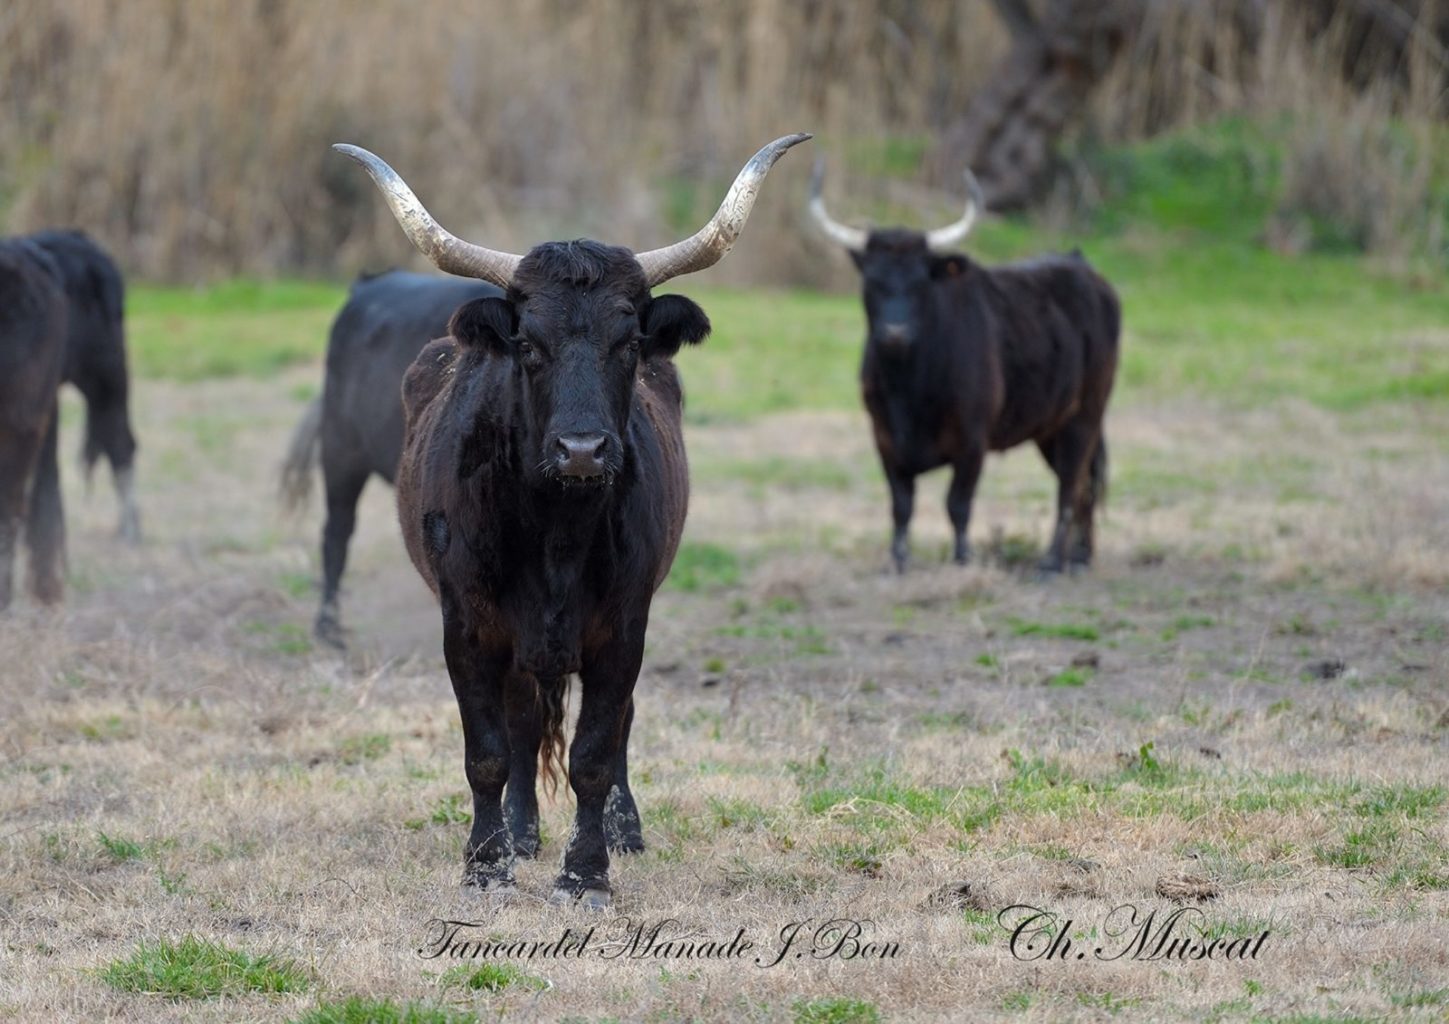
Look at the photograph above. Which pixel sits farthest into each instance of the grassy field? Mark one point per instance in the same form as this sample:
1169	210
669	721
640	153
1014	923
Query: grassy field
1242	710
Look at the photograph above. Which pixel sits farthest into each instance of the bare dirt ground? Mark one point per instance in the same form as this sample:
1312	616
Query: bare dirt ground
1252	689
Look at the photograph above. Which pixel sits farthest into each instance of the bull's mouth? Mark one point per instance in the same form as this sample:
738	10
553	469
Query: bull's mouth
588	481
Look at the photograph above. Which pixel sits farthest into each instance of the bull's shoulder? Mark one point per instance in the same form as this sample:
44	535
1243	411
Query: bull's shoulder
428	375
659	388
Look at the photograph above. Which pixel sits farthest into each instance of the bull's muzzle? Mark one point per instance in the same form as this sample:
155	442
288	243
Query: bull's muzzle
581	456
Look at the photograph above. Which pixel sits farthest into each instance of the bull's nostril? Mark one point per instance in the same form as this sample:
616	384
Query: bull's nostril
581	455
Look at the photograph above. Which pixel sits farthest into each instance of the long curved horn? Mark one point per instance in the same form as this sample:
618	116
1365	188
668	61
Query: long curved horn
707	246
852	238
448	252
951	234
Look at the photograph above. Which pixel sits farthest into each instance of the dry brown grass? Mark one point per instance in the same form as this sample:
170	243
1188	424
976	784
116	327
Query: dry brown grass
169	704
193	138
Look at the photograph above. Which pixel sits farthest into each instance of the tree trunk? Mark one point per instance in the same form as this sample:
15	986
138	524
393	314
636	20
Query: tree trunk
1039	88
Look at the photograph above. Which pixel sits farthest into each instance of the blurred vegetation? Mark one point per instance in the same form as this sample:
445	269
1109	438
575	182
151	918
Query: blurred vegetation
1211	309
192	139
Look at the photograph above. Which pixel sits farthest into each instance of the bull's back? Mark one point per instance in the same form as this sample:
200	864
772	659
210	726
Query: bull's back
1058	322
374	340
95	294
32	334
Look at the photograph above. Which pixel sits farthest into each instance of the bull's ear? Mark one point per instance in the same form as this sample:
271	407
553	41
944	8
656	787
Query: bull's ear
486	323
954	265
672	321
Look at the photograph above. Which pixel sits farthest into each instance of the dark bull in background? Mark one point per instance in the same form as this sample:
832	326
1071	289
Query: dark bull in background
61	319
357	422
962	359
542	494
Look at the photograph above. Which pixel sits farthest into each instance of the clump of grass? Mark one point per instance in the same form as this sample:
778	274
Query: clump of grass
449	810
838	1010
195	968
702	567
1410	801
367	747
1070	677
119	848
491	978
1064	630
357	1010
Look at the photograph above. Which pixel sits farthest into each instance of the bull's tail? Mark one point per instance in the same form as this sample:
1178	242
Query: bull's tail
552	707
302	457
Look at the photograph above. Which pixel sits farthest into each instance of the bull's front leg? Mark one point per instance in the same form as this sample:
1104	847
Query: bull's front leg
622	827
903	504
478	683
525	735
608	678
966	472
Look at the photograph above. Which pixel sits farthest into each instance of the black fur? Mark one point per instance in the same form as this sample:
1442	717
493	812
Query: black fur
386	321
962	359
95	358
544	574
33	313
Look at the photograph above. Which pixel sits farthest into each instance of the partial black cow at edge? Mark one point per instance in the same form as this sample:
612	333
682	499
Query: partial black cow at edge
961	359
82	342
95	360
542	495
32	358
356	424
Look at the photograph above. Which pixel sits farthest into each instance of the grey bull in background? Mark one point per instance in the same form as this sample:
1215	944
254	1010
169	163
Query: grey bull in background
357	423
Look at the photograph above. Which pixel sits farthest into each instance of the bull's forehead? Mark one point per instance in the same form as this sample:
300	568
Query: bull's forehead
896	242
568	308
581	266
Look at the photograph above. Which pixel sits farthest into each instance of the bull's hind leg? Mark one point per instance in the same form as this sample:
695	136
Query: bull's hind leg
108	431
1085	510
622	827
1068	452
344	487
45	521
17	461
478	683
966	472
525	737
608	680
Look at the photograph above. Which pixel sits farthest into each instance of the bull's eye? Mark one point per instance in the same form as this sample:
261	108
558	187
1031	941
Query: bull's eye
529	355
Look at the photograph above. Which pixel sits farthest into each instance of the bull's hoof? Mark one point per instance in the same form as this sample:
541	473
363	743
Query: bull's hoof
129	532
629	843
588	899
962	556
490	883
329	631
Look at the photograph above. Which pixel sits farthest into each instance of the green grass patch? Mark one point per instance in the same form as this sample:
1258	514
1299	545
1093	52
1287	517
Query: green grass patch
195	968
703	567
453	809
367	747
121	849
835	1010
491	978
1065	630
359	1010
240	328
1069	677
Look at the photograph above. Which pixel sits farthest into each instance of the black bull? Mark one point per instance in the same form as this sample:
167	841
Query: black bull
32	358
962	359
357	422
542	494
